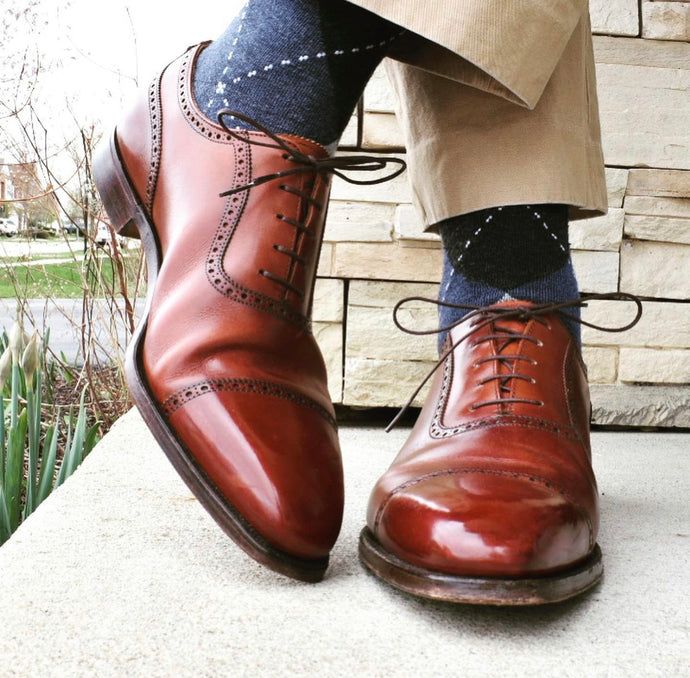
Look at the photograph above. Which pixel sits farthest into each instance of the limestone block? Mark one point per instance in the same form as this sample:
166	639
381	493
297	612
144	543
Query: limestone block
614	17
596	271
329	300
653	366
409	230
388	261
383	383
382	131
394	191
664	229
602	364
599	233
660	270
359	221
644	115
616	182
371	332
666	20
661	183
329	336
663	325
350	136
380	294
651	53
378	95
658	207
640	405
325	267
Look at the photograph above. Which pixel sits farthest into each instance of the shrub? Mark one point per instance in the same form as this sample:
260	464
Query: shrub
40	445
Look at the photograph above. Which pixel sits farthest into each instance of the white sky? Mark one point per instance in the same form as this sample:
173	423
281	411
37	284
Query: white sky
87	43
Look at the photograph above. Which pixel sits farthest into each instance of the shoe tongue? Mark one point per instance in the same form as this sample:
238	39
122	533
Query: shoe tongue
511	324
509	302
306	146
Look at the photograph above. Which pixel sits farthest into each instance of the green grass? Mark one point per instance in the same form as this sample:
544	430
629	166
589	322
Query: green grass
65	280
34	256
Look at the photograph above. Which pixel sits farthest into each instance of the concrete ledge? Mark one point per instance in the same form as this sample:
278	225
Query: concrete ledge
121	573
619	405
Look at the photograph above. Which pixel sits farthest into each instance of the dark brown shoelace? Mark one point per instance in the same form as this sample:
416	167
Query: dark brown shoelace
336	164
304	164
480	317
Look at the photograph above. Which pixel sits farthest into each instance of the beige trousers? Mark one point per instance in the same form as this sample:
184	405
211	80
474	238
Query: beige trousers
498	104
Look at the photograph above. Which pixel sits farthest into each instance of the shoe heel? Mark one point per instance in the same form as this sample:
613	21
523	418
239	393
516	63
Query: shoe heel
117	195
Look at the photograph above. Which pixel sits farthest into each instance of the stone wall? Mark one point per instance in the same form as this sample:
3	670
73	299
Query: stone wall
376	253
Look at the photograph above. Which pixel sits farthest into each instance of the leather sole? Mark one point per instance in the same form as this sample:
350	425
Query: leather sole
128	217
478	590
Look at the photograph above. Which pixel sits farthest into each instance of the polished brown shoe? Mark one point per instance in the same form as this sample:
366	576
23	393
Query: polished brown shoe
224	367
492	499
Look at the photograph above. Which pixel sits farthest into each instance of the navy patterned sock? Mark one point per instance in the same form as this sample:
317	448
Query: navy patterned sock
295	66
514	252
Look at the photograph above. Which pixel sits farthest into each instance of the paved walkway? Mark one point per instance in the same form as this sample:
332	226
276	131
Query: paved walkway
121	573
64	318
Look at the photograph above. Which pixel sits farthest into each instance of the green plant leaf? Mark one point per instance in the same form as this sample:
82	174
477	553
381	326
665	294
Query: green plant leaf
34	417
62	474
5	526
15	469
76	452
2	441
91	439
47	476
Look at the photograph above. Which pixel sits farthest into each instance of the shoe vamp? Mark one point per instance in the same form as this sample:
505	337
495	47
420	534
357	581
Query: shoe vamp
499	447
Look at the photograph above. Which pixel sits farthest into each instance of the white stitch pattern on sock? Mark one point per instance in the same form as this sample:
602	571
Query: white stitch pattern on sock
288	62
220	85
549	231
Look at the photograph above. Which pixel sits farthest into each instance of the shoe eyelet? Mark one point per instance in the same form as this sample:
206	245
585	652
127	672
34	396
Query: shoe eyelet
540	343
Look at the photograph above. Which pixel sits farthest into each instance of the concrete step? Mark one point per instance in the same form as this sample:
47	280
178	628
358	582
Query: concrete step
122	573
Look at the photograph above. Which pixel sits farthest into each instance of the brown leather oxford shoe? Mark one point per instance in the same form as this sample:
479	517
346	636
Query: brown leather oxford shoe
224	367
493	499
